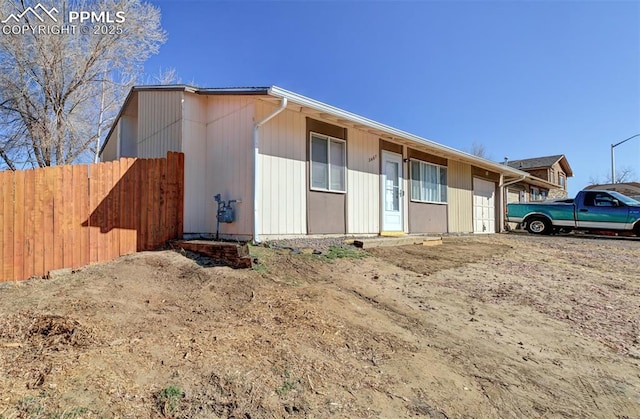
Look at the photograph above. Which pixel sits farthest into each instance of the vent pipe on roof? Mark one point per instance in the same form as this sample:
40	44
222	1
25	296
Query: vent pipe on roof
256	168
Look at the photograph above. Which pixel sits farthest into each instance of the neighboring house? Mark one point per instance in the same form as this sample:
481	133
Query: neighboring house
548	179
301	167
631	189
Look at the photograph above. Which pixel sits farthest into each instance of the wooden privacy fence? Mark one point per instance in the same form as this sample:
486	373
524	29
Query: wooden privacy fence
71	216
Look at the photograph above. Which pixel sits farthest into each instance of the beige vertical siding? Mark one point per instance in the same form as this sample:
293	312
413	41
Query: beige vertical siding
229	162
460	197
363	183
110	151
282	189
194	146
160	123
128	136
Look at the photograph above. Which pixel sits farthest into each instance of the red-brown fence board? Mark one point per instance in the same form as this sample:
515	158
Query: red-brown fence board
80	192
18	226
8	194
71	216
180	198
38	244
29	223
67	218
94	199
150	204
49	209
2	174
58	214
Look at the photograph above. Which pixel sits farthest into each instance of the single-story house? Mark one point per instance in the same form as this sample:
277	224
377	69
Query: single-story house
300	167
548	179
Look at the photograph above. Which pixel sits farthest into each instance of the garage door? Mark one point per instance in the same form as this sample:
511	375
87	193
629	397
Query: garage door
484	210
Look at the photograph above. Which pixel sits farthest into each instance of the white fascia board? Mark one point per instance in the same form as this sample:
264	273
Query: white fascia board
340	113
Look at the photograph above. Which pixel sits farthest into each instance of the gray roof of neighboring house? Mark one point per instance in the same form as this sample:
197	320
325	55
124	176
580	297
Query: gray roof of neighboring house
627	188
541	162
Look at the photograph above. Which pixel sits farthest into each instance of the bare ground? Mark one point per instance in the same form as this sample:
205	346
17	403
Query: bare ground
496	326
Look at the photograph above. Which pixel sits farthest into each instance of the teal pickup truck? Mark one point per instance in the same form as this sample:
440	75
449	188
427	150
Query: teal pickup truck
590	210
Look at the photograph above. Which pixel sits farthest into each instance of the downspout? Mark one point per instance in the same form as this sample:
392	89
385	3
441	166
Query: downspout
256	169
503	192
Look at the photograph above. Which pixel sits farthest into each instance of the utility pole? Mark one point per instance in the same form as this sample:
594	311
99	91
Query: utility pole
613	161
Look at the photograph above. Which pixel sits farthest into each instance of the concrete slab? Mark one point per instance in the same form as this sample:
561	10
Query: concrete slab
370	243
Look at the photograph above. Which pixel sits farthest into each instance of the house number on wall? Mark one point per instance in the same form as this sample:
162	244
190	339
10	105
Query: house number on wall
372	158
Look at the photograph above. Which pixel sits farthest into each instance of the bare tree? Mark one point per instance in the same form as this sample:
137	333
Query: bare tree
61	83
623	175
478	150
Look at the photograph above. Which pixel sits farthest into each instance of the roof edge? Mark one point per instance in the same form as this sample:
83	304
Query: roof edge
323	107
116	119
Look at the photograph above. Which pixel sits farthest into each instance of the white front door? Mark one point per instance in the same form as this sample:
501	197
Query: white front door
392	193
484	210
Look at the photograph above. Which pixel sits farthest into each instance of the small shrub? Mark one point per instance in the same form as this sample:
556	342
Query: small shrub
169	400
285	388
340	252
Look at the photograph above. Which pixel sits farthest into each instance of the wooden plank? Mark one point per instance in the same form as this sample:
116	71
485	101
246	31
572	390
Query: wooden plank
105	202
133	201
149	203
38	214
8	197
94	216
105	206
48	228
123	213
67	216
180	179
162	202
132	215
2	198
137	213
85	213
7	229
30	237
177	198
172	193
114	211
18	227
153	204
58	218
80	232
143	188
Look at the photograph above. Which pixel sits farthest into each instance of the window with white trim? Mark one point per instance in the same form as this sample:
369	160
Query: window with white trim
535	194
328	158
428	182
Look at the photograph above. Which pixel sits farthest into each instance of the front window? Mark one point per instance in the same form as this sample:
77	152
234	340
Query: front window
428	182
561	180
328	163
535	194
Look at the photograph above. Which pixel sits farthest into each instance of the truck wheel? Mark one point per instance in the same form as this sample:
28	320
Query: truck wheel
539	225
636	229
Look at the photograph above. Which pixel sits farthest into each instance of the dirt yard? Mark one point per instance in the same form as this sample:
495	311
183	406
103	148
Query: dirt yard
504	326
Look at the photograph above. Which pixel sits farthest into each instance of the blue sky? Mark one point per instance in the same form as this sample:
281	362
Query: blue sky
524	79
